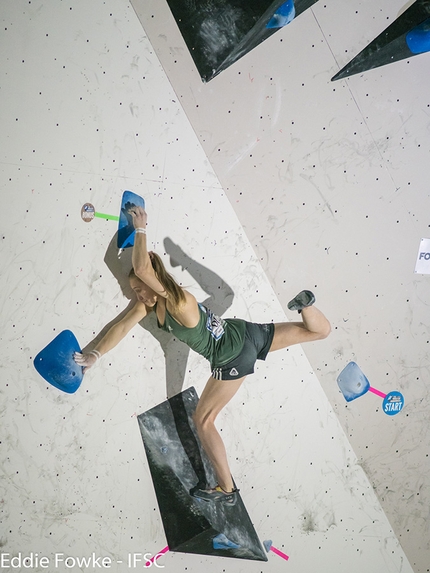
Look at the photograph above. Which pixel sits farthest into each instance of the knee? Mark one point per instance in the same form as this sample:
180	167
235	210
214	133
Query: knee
203	419
325	331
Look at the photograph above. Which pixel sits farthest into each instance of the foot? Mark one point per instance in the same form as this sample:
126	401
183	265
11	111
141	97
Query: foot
302	300
215	494
177	255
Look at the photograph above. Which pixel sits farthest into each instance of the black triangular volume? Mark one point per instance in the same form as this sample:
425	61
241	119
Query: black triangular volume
177	464
391	45
219	32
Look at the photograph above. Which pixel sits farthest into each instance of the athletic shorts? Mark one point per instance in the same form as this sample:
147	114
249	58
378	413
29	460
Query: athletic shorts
258	340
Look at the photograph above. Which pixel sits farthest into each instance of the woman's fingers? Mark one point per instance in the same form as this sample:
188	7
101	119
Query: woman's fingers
84	360
139	216
136	210
78	358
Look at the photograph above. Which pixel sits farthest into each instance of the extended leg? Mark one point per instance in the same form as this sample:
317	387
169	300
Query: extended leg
314	326
215	396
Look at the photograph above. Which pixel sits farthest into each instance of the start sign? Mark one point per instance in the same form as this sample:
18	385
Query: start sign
393	403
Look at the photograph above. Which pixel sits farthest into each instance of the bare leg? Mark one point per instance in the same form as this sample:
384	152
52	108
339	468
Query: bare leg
218	393
215	396
314	326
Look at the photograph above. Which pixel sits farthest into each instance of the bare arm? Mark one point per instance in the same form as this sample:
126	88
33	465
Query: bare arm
113	336
140	257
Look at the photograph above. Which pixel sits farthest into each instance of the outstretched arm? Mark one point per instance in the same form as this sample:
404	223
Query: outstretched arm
113	336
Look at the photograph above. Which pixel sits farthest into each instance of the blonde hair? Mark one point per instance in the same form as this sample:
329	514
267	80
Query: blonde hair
175	294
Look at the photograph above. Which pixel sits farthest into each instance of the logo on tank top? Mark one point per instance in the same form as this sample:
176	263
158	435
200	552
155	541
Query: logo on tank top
214	323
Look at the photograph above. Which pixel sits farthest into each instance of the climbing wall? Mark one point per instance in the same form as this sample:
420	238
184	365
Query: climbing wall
328	180
88	112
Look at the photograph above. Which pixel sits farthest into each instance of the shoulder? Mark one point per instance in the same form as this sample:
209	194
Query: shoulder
137	312
190	301
141	308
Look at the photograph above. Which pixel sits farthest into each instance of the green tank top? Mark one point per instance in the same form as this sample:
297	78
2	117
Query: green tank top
218	340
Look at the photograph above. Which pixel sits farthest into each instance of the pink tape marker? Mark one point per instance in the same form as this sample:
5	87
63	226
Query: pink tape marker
377	392
159	554
269	547
279	553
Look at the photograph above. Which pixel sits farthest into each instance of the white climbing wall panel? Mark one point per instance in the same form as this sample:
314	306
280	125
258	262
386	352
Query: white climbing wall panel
87	112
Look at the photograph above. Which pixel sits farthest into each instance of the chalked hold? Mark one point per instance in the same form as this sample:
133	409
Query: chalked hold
125	225
283	15
56	365
353	384
418	39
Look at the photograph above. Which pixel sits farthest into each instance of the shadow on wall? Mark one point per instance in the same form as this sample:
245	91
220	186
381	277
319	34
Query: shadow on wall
175	352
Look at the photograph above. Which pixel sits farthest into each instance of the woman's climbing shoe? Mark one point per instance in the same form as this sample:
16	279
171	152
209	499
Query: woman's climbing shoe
215	494
302	300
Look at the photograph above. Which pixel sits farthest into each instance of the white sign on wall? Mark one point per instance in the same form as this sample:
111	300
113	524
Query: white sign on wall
422	265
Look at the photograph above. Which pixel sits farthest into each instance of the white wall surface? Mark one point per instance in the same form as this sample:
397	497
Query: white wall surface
329	181
87	112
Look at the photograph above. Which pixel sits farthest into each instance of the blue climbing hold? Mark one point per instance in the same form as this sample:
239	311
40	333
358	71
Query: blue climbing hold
352	382
222	542
125	226
56	365
418	39
283	15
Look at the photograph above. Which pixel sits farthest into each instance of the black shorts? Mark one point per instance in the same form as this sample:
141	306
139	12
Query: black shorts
258	340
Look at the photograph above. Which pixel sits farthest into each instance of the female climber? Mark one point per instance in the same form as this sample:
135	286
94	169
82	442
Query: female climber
232	346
